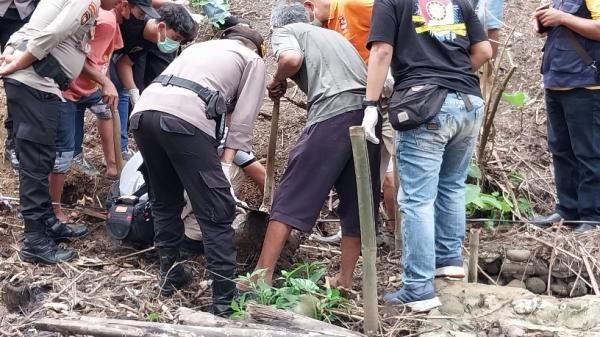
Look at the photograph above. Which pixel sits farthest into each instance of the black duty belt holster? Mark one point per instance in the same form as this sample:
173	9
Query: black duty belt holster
49	67
216	105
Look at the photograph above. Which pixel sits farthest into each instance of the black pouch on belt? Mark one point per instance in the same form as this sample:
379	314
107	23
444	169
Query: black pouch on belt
417	105
49	67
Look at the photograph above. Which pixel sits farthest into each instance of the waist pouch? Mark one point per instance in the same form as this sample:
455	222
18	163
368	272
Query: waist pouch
49	67
414	106
131	221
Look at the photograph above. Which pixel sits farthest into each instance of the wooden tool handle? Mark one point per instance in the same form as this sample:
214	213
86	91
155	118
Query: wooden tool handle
117	139
269	181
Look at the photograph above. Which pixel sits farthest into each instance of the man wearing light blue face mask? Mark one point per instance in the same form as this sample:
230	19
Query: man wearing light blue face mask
160	38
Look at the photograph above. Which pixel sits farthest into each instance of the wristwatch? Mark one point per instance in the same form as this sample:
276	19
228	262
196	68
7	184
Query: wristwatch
367	103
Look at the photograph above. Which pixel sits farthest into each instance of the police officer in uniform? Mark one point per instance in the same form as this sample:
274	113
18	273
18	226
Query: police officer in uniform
13	15
177	124
40	60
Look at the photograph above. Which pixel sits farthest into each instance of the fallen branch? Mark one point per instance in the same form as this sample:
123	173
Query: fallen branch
263	314
188	316
102	327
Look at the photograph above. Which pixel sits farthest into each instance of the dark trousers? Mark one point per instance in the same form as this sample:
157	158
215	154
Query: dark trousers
574	140
35	115
321	159
9	24
179	157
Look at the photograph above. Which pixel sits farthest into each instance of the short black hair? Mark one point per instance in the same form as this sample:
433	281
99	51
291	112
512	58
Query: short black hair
180	20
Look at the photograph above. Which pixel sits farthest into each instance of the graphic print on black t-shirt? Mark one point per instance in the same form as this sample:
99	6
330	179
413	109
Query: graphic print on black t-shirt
441	18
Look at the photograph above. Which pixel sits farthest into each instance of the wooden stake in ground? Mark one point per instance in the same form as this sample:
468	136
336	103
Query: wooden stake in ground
367	228
117	139
474	254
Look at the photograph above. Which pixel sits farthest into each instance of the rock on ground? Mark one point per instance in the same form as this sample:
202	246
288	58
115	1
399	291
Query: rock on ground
511	312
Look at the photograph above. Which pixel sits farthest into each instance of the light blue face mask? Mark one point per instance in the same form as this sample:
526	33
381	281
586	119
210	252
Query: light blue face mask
168	46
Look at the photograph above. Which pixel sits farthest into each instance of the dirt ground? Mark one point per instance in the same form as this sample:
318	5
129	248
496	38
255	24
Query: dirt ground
106	281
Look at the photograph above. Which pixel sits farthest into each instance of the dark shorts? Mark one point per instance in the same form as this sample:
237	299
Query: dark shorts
320	160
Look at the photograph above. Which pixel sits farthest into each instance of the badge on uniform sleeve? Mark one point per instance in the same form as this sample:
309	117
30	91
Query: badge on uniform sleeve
89	14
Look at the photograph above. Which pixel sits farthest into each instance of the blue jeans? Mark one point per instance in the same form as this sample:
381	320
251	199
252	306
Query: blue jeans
574	140
69	135
494	14
433	161
123	105
97	106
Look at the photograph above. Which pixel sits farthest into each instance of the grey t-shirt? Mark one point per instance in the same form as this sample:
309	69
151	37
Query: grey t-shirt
333	75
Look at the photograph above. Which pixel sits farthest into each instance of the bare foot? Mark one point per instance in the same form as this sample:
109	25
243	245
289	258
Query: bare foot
60	215
344	286
111	171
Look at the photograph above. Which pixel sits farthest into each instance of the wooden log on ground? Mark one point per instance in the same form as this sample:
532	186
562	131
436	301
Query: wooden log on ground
102	327
187	316
263	314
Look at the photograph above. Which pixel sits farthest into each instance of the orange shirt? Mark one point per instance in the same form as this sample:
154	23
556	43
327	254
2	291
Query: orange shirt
352	18
106	39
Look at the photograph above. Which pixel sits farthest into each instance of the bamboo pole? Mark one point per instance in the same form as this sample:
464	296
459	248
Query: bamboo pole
473	254
367	228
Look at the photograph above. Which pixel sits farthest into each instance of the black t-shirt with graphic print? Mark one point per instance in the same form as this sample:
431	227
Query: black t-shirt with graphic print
431	40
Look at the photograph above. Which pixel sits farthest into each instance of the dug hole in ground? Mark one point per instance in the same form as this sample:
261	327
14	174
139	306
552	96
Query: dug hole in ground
519	266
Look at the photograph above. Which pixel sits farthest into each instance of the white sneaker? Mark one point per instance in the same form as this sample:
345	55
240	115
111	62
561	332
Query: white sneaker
452	273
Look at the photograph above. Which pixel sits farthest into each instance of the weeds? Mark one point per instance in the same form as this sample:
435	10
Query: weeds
494	205
300	292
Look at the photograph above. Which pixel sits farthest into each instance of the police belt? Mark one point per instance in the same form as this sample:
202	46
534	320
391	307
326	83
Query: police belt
216	107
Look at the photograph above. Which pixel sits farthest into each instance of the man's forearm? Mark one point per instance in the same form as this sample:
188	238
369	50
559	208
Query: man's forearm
283	72
587	28
24	60
288	65
94	74
481	52
125	72
9	50
228	155
379	64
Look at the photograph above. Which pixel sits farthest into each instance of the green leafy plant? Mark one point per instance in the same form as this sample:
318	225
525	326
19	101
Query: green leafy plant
300	291
153	316
517	98
494	205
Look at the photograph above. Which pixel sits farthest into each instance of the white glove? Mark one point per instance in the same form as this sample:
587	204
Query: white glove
134	96
369	122
227	171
